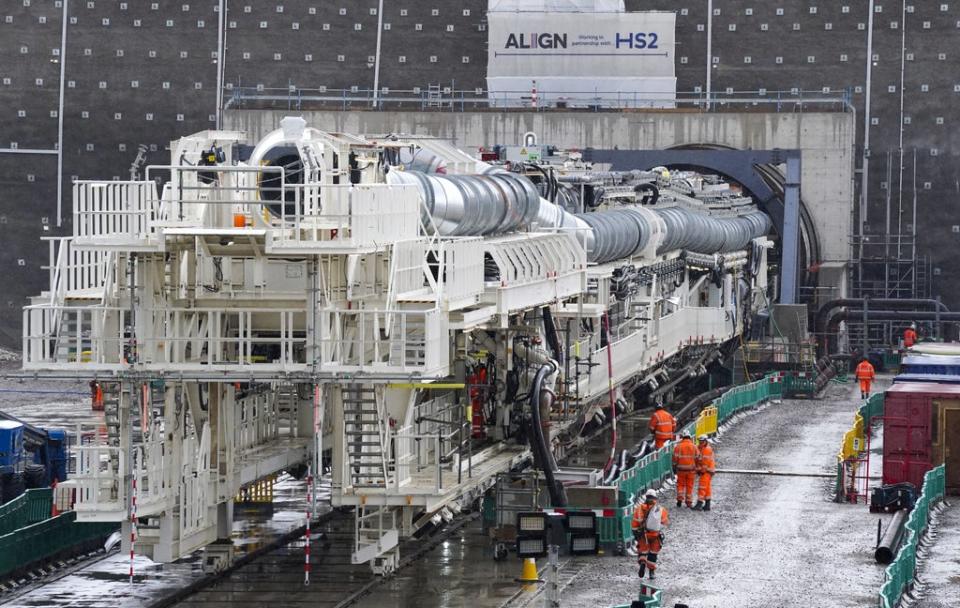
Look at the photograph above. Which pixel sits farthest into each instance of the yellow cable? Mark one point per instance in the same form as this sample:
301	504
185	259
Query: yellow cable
743	353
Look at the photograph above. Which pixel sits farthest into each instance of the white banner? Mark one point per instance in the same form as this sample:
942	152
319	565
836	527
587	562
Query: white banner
604	53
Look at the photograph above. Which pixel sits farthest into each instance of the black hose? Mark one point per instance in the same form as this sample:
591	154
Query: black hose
651	193
558	496
550	328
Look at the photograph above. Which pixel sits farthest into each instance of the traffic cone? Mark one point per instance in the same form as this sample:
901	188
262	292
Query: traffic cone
529	574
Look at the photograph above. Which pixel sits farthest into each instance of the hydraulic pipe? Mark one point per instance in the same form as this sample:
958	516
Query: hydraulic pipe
889	315
558	496
890	541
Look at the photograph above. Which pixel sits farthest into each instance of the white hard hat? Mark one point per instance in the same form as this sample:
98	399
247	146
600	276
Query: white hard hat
685	435
650	494
703	438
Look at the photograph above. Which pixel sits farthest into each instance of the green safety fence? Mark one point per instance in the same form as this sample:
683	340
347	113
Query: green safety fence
47	538
872	407
656	466
28	508
891	361
900	573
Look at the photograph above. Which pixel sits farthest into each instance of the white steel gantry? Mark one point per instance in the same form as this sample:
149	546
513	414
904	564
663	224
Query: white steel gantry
269	305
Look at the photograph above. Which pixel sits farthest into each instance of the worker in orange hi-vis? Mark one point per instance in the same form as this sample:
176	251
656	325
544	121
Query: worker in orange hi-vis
96	395
649	520
662	426
685	456
910	336
706	467
865	374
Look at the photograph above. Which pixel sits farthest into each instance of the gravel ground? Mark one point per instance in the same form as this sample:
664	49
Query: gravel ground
940	568
769	540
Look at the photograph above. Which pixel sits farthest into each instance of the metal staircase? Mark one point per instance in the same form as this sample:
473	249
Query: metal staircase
376	539
365	437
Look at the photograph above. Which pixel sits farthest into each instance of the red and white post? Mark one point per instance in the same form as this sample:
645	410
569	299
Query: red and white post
306	538
133	523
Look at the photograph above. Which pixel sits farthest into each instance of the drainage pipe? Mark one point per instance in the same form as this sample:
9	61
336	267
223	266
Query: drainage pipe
890	541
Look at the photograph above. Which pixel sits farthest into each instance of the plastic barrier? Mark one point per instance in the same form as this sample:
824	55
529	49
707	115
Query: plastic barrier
855	441
900	573
651	597
656	466
707	421
47	538
28	508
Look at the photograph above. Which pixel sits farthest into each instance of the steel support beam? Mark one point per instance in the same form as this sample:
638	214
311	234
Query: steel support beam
790	237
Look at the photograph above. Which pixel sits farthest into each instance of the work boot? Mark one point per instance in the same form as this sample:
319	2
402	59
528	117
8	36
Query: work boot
679	503
652	576
706	505
698	506
643	570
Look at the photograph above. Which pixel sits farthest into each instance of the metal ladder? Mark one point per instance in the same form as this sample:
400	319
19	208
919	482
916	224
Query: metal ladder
365	436
113	394
376	539
286	407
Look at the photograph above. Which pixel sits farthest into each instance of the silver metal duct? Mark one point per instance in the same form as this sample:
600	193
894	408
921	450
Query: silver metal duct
475	205
498	201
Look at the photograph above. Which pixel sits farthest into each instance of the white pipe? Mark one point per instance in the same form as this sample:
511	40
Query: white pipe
27	151
865	163
903	66
63	73
220	50
376	68
709	49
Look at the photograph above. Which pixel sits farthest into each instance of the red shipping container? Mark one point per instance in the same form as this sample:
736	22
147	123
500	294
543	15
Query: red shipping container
921	422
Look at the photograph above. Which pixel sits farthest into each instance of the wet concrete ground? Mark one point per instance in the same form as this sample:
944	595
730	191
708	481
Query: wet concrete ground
769	541
939	571
767	538
64	404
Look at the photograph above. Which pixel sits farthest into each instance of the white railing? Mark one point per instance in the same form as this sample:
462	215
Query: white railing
417	456
209	197
76	270
447	269
73	334
462	269
357	340
120	210
347	340
100	489
531	259
348	216
258	422
409	273
195	495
